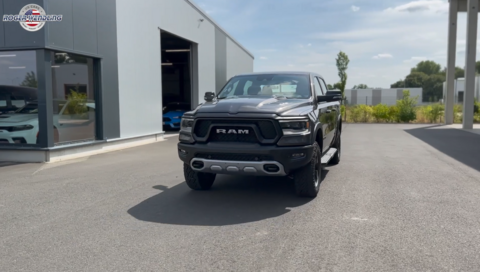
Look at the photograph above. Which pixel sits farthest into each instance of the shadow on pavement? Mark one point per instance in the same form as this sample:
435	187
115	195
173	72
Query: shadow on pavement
460	145
232	200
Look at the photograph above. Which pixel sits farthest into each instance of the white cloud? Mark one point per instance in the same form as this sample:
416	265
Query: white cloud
383	56
404	35
435	6
355	8
354	34
263	58
309	44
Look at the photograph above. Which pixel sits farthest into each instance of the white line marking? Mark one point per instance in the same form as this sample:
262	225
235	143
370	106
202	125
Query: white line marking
359	219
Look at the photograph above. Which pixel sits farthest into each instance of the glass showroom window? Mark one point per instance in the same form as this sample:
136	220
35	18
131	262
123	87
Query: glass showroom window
18	97
73	98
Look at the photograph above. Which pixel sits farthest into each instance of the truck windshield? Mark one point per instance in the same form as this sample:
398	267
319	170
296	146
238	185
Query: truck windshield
265	85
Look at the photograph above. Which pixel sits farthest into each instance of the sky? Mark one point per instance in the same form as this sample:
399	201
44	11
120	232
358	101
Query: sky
383	39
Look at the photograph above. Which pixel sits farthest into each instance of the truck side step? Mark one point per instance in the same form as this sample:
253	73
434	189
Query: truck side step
328	156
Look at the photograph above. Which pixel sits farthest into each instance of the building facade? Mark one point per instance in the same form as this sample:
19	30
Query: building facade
105	73
374	97
459	90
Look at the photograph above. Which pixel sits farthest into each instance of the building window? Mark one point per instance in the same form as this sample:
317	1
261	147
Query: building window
73	92
18	97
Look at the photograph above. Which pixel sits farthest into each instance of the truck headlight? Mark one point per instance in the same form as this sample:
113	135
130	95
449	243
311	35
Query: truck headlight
186	125
295	127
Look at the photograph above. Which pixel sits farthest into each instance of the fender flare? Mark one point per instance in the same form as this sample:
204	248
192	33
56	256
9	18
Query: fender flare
318	127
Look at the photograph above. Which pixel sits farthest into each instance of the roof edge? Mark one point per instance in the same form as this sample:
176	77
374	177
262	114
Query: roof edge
195	6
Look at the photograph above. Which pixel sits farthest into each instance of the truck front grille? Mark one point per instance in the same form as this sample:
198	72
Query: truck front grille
265	127
233	157
250	138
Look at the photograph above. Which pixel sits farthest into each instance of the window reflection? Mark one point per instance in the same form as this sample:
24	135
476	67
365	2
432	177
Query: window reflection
73	98
18	97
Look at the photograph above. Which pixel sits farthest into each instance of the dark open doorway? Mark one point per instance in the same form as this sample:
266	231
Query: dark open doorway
176	79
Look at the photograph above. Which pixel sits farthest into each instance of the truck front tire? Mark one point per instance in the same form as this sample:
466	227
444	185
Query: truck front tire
308	178
196	180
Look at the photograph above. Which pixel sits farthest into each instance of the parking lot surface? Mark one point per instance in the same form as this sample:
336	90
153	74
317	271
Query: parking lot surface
403	198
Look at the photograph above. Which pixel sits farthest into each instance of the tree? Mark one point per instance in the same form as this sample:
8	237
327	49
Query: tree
415	79
330	87
30	80
459	72
342	66
427	67
337	86
433	88
360	86
398	84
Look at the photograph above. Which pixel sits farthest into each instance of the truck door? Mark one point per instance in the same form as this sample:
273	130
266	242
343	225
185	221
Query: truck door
323	115
333	110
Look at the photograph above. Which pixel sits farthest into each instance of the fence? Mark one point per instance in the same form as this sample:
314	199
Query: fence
392	100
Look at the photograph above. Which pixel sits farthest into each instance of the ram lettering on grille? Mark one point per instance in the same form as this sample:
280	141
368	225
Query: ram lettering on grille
233	131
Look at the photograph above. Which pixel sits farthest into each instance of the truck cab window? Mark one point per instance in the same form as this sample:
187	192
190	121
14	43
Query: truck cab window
318	89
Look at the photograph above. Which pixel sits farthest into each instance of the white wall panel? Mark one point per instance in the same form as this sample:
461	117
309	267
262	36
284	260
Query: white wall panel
139	58
238	61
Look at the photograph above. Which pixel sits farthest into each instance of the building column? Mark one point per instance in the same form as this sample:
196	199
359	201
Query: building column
451	58
45	99
470	60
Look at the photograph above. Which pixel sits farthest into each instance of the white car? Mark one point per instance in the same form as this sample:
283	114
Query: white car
21	127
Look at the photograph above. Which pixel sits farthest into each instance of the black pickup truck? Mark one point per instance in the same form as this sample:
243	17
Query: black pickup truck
263	124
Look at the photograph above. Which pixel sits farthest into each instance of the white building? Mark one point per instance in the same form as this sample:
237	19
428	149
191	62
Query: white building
130	58
380	96
459	89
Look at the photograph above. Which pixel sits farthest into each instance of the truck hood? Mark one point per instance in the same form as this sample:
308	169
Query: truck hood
16	118
252	105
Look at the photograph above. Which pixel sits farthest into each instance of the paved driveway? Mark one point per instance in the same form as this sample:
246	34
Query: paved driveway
404	198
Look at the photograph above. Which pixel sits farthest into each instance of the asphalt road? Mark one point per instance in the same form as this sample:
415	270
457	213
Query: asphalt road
404	198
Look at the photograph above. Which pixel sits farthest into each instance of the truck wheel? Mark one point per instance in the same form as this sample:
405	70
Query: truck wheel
338	145
308	178
196	180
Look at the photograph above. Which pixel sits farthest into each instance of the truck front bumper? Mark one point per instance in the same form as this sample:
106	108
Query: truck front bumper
244	159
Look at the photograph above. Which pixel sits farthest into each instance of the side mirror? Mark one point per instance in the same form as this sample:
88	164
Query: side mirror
334	93
209	96
329	98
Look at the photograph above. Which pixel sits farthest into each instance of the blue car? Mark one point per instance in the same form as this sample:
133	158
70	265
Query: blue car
172	114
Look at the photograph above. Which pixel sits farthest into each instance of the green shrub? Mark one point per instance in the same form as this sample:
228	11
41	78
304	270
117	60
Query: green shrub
356	114
343	110
380	112
77	104
433	112
362	113
393	114
406	108
457	113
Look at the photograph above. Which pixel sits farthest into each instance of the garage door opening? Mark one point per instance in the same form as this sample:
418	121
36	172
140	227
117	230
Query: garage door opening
176	79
